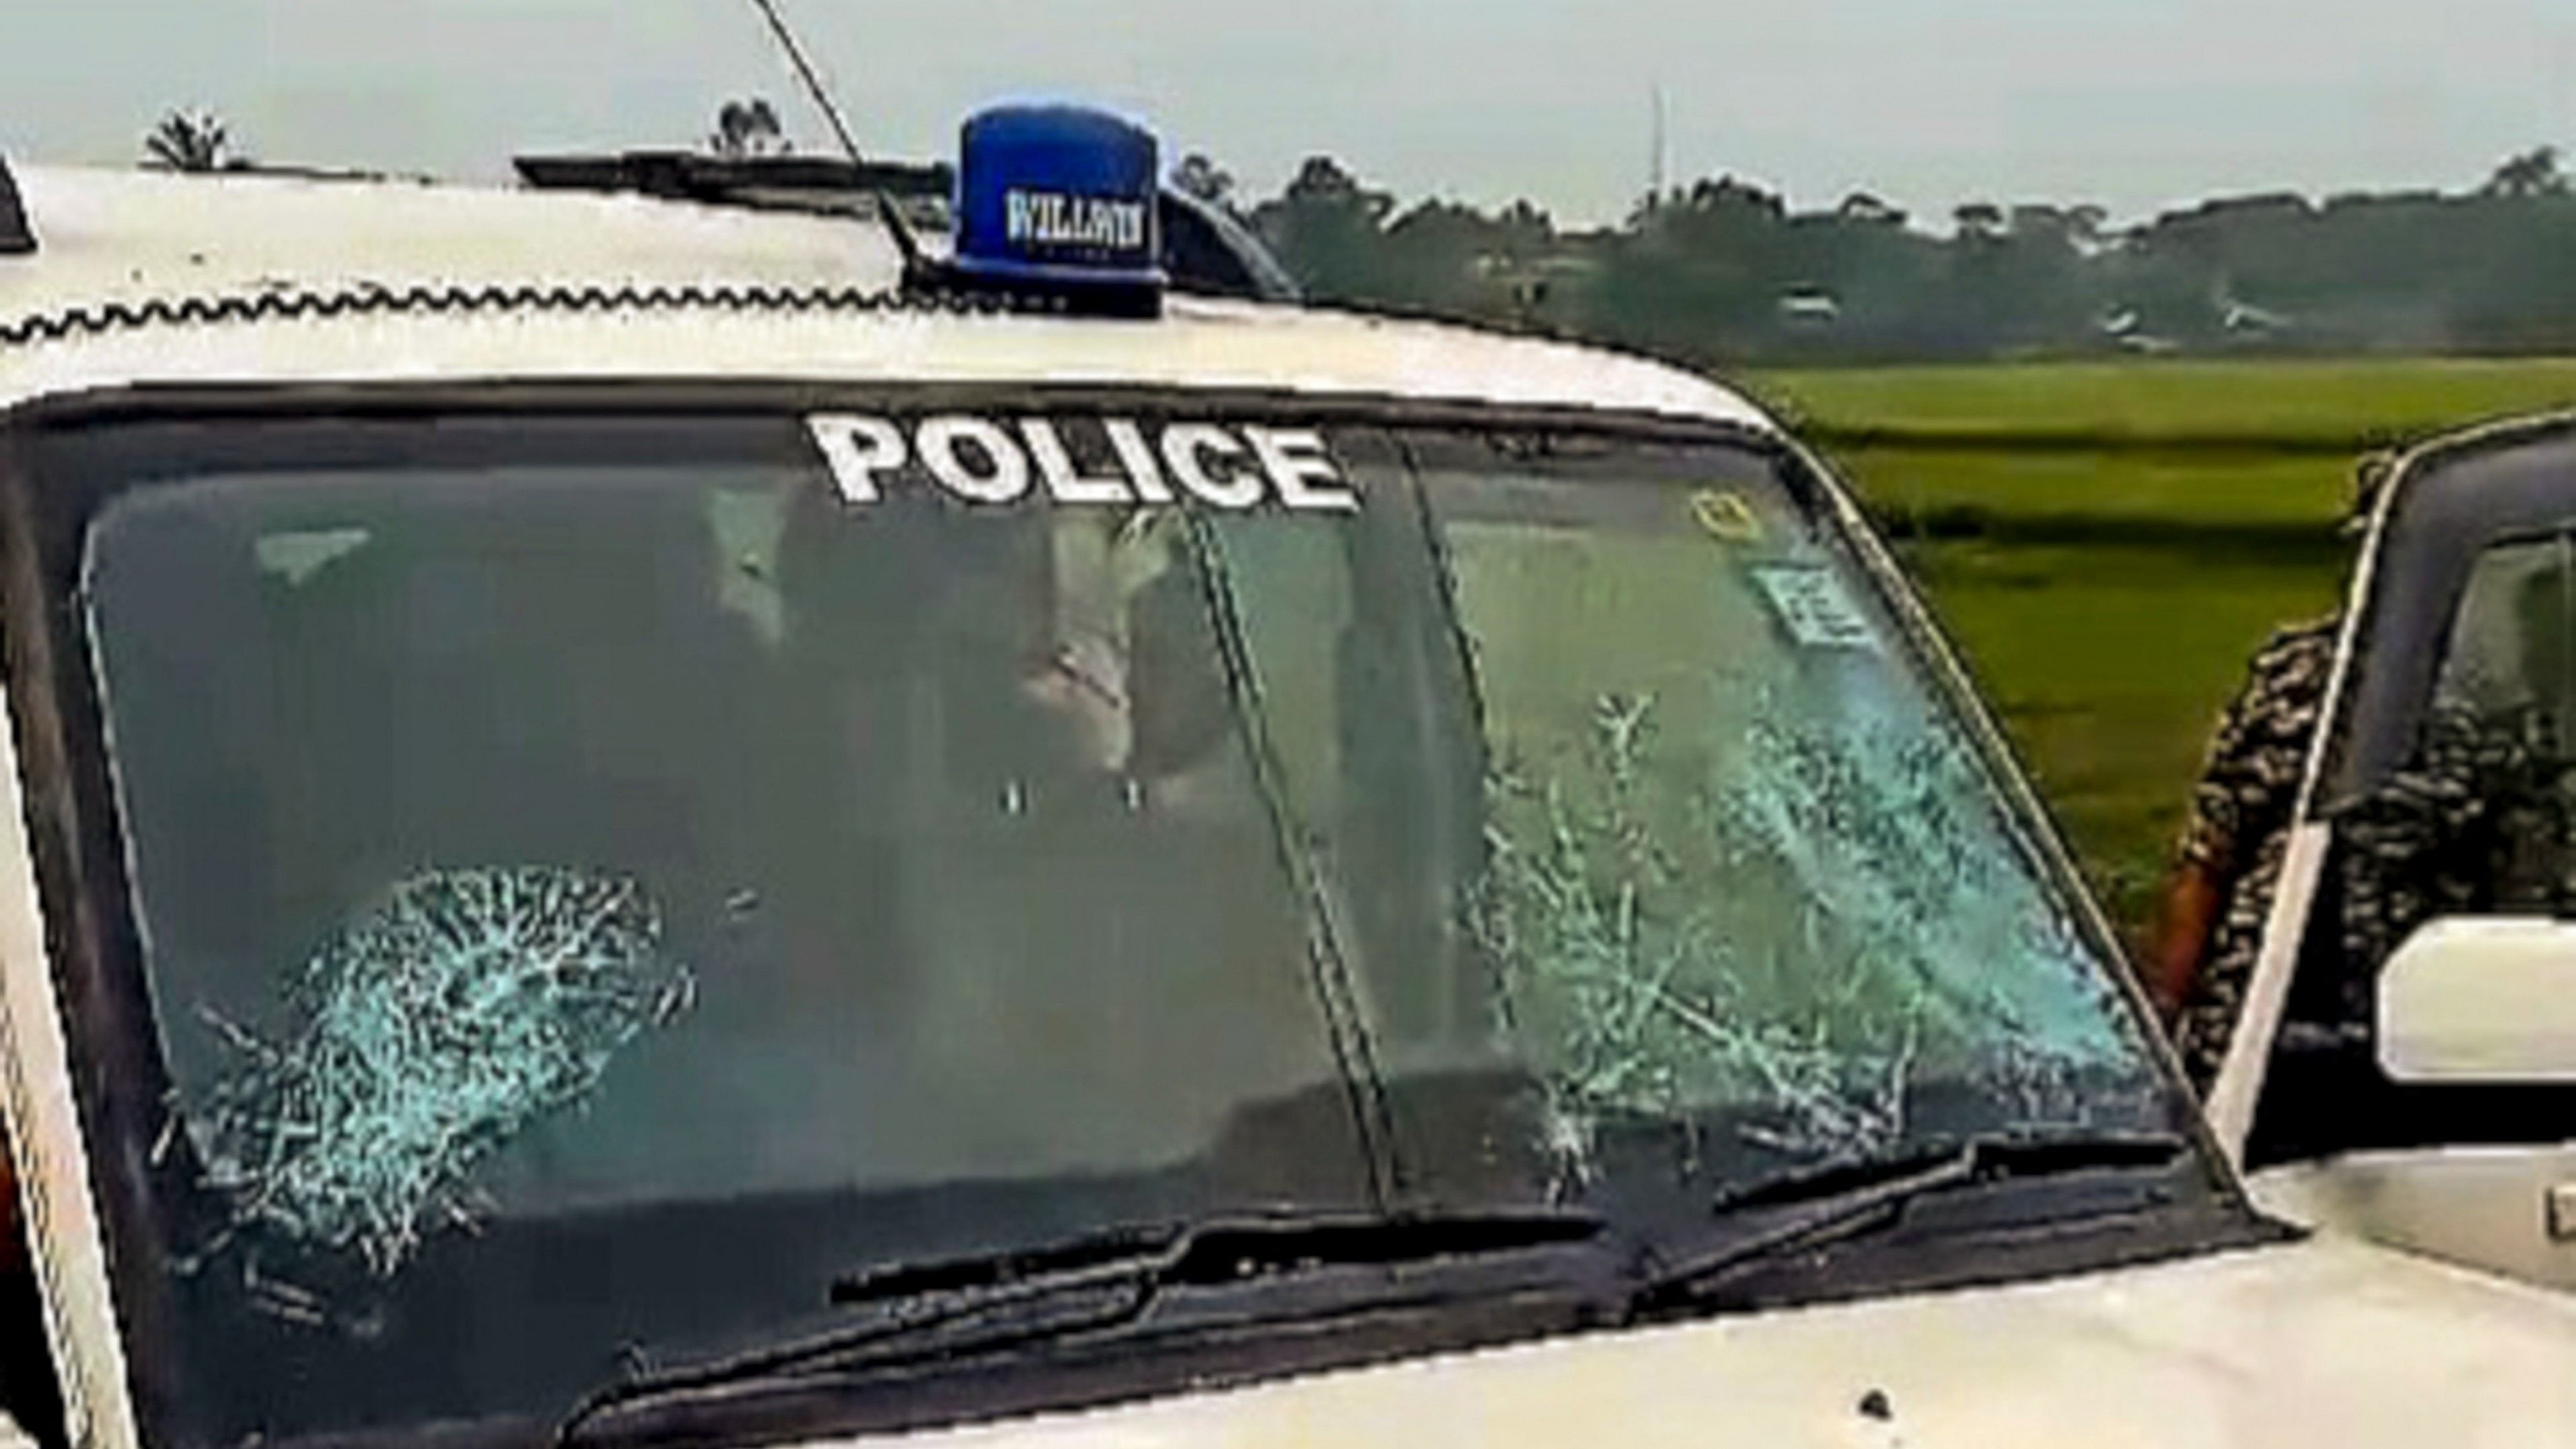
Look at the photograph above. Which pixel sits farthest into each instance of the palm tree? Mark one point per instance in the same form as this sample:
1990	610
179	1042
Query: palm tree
748	128
190	141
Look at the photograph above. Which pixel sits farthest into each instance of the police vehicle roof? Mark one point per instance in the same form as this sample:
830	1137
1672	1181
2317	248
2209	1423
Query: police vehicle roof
156	277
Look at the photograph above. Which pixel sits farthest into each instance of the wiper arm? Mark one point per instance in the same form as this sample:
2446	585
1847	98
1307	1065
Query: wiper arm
1223	1249
938	1308
1853	1200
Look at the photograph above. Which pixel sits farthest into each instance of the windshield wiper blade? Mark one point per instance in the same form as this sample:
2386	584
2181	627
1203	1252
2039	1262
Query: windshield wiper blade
1190	1253
941	1307
1848	1201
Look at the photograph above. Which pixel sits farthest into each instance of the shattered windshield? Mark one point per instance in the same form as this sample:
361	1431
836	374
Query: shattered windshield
598	881
1735	860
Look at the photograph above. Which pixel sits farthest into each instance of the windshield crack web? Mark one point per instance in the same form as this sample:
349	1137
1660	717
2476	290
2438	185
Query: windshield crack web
428	1033
1619	924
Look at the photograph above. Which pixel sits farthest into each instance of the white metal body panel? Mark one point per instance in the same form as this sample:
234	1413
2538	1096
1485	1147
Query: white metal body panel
1204	345
2497	1209
47	1146
2326	1343
108	236
2481	998
110	239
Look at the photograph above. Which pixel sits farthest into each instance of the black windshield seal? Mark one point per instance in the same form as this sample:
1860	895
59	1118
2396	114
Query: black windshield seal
87	451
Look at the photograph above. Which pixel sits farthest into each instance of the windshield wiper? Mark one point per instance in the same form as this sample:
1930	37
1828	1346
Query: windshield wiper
1096	1281
1848	1201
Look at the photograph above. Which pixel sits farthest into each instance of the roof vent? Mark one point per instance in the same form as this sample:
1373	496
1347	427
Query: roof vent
17	239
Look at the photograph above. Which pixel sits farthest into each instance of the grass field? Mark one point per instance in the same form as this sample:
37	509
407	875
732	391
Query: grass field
2108	665
2321	404
2109	543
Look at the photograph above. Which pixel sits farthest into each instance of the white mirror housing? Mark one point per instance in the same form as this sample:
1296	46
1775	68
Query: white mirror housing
2481	999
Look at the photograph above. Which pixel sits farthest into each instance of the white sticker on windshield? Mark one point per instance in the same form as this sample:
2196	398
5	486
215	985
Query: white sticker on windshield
1111	462
1815	608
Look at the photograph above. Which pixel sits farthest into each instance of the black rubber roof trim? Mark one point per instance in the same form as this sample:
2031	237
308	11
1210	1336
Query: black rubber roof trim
193	311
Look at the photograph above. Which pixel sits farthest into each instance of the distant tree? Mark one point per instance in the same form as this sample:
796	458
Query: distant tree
2535	172
1322	179
1720	269
2039	222
191	141
1526	226
1731	194
1980	219
1698	276
1199	176
748	128
1867	210
1330	230
1445	257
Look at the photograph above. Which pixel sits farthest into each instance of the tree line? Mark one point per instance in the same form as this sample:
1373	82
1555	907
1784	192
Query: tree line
1725	271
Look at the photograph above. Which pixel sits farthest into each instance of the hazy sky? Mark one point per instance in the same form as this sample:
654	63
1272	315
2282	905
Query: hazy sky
2131	103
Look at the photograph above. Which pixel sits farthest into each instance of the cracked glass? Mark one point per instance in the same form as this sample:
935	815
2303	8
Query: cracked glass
1737	859
595	884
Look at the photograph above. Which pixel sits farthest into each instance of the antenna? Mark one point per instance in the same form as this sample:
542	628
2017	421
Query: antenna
896	226
805	76
1655	166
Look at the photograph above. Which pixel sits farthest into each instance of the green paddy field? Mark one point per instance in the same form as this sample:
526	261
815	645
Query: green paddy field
2109	542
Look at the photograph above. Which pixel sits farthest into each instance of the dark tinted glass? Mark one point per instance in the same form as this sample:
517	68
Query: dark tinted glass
597	884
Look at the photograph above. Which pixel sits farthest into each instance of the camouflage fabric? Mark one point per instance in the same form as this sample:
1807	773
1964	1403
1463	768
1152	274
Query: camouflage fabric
2478	821
2241	810
2240	824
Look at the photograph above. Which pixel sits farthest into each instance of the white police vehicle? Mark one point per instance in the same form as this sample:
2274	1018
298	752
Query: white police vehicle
638	823
2406	1068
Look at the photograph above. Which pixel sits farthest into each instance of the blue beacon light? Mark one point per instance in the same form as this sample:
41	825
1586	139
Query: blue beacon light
1060	203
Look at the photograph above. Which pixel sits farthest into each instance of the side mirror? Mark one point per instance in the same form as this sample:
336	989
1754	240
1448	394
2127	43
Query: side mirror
2481	999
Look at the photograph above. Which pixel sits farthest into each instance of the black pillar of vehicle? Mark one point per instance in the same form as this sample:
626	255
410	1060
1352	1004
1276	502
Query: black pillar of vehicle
16	237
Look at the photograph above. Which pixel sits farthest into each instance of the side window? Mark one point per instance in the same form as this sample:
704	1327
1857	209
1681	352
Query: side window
2477	820
2476	817
2510	646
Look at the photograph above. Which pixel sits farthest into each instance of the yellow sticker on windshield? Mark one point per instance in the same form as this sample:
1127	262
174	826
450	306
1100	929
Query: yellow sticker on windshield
1724	513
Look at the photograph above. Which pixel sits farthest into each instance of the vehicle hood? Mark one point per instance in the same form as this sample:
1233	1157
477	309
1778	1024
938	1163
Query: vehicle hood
2321	1342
